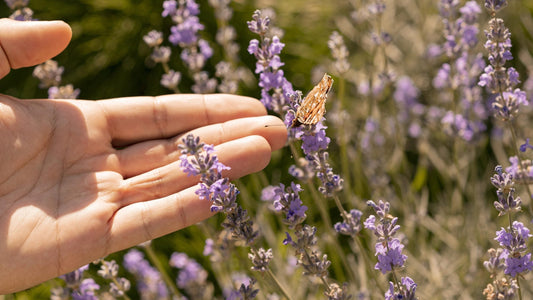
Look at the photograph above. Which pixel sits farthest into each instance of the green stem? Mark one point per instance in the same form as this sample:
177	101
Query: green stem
344	214
519	288
114	279
280	287
368	263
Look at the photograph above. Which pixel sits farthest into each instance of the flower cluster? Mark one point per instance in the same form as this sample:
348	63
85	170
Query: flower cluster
315	144
161	54
313	263
287	200
340	53
80	287
405	290
500	288
149	282
498	79
461	74
409	108
512	258
245	288
119	285
195	51
192	278
49	74
521	169
20	10
389	250
275	88
507	202
77	286
216	188
226	34
351	225
260	258
514	242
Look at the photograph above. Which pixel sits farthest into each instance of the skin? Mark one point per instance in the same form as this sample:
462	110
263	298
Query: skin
82	179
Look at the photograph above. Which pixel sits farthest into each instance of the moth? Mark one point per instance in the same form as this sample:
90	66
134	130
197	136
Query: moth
313	107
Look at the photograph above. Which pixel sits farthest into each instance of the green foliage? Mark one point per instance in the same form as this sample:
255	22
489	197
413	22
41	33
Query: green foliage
439	185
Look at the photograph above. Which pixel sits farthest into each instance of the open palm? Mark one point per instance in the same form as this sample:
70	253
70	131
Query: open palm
82	179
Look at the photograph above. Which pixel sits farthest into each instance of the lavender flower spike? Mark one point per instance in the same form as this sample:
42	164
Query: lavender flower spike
497	78
389	250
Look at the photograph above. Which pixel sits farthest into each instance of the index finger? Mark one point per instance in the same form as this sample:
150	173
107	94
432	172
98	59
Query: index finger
130	120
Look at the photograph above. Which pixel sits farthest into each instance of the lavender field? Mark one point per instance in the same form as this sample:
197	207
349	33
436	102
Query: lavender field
416	182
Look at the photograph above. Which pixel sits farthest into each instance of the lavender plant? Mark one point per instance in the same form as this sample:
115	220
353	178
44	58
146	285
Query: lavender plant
407	120
389	251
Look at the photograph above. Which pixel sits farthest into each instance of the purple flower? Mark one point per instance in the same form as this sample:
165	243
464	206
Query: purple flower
314	139
288	201
518	265
388	248
86	290
75	277
149	282
497	78
381	208
259	23
288	240
15	4
205	49
370	223
169	8
275	87
296	210
339	52
190	274
219	187
209	247
389	255
406	92
171	79
495	5
470	12
351	225
203	84
154	38
184	33
270	81
63	92
526	146
269	193
161	54
496	260
260	259
406	290
48	73
187	167
108	269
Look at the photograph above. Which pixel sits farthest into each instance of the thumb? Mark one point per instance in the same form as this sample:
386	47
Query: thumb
28	43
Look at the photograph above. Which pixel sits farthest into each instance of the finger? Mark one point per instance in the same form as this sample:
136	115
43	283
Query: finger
137	119
244	156
145	220
29	43
140	158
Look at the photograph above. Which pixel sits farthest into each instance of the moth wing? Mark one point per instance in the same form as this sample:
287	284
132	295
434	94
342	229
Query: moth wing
315	110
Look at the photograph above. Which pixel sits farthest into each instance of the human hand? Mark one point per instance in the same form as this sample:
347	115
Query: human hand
82	179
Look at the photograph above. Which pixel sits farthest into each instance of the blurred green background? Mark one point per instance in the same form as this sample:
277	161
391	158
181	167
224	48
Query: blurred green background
107	57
